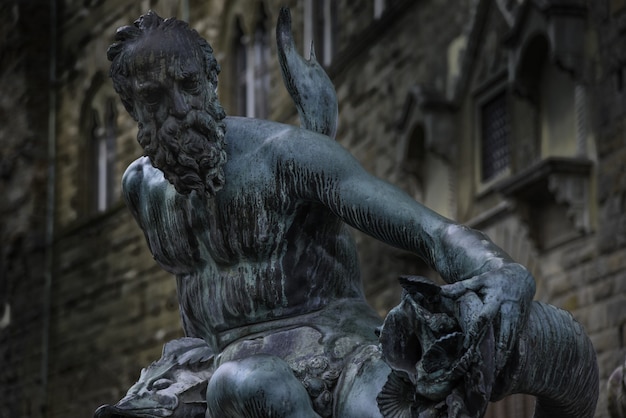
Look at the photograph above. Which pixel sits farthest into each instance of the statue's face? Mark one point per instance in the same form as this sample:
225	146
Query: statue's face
176	106
169	78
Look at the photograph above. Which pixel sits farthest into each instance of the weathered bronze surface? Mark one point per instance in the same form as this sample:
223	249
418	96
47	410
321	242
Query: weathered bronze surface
616	388
250	216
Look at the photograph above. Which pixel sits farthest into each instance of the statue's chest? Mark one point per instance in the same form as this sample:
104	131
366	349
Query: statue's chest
249	226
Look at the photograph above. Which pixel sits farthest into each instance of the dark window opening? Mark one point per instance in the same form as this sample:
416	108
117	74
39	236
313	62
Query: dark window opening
496	132
321	29
241	66
252	55
103	148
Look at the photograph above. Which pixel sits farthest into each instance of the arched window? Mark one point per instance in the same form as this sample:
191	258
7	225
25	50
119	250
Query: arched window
102	150
557	113
320	28
414	162
547	107
99	188
427	150
241	70
261	50
252	54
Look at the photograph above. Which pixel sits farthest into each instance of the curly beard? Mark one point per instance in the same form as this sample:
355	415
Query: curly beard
190	152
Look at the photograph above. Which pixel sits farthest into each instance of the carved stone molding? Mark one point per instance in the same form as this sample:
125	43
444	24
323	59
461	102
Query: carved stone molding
573	190
558	185
561	22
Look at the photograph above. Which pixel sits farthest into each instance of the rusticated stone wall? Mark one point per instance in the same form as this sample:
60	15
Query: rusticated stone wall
24	87
113	309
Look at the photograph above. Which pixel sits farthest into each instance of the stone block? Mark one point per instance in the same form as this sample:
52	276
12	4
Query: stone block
606	340
594	317
557	284
616	311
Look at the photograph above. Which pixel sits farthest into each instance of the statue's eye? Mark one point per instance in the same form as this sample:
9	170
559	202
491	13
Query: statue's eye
162	384
152	96
190	84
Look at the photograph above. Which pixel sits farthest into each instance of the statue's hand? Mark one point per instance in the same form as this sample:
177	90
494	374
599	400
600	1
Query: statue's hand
500	298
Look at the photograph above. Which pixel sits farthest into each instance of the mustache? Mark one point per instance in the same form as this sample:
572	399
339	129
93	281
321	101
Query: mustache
198	122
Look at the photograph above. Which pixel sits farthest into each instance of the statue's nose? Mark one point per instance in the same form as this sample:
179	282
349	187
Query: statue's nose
180	107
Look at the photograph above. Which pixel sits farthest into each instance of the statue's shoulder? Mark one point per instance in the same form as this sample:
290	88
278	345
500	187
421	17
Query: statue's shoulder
139	177
250	132
132	177
245	136
136	168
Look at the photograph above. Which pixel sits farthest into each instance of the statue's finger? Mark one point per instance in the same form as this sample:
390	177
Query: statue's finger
468	308
454	290
477	328
510	314
458	289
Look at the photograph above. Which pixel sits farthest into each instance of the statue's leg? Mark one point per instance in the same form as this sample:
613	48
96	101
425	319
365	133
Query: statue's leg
256	387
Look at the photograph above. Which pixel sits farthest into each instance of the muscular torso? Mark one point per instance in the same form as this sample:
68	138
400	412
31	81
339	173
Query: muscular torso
259	250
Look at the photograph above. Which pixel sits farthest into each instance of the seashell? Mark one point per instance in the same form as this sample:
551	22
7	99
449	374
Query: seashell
397	397
422	342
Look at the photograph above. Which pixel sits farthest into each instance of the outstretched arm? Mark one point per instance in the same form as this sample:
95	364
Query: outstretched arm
489	285
327	173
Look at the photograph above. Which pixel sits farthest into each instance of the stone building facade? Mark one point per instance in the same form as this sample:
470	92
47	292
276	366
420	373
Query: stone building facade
504	115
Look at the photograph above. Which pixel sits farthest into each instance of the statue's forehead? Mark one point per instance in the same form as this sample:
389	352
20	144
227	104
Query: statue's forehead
166	55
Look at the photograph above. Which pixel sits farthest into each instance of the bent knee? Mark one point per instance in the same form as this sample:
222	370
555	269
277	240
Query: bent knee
263	385
247	375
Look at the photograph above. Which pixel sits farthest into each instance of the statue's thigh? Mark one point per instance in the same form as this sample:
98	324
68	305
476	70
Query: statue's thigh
257	386
361	382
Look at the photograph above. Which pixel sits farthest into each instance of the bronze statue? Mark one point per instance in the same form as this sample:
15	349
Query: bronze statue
250	216
616	392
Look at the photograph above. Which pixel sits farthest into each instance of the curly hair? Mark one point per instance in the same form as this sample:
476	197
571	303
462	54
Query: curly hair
120	52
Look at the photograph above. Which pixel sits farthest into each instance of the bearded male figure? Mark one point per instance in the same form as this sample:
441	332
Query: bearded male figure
250	216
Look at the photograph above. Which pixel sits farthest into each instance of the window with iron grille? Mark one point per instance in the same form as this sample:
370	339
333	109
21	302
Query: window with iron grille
496	132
